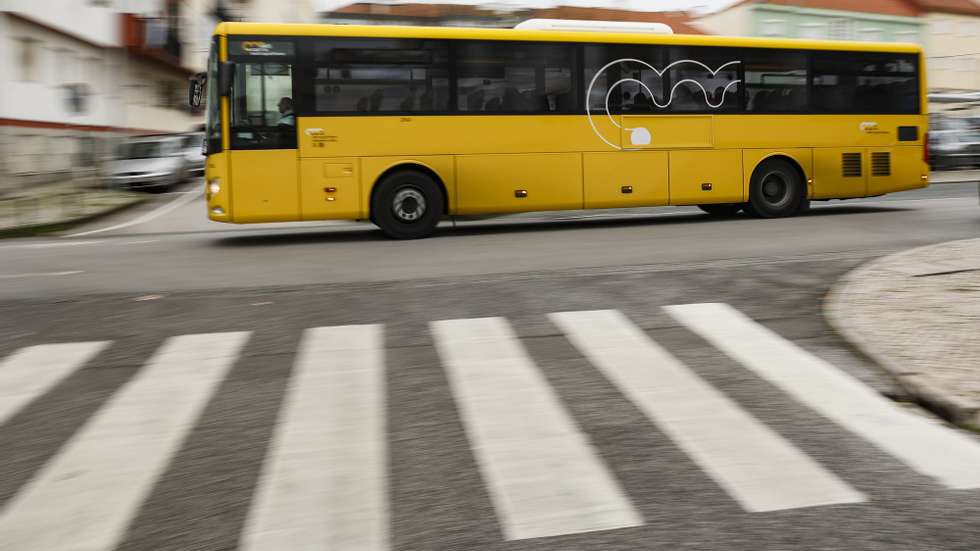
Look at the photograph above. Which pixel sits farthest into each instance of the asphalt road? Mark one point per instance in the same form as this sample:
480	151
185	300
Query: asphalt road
425	446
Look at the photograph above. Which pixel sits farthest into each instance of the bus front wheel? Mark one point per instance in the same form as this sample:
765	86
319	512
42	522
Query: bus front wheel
776	190
407	205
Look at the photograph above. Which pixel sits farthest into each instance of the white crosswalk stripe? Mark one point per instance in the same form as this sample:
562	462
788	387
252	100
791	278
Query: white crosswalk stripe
756	466
926	446
324	480
85	497
544	477
34	370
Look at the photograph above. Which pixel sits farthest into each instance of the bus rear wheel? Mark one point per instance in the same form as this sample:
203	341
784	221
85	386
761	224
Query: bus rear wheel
776	190
722	209
407	205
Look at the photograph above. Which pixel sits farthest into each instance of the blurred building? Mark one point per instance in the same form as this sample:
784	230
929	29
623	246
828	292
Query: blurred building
78	74
952	41
869	20
948	29
467	15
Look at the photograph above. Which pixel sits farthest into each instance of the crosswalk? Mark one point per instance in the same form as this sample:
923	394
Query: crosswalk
324	482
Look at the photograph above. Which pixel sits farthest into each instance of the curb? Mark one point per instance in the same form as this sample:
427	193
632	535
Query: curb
922	388
51	227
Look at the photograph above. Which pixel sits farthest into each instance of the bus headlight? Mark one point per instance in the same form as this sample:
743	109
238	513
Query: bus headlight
214	186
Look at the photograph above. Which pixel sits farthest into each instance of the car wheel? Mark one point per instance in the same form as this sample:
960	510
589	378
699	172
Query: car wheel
407	205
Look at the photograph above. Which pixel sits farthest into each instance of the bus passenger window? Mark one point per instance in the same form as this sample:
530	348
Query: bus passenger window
865	83
380	75
515	78
775	81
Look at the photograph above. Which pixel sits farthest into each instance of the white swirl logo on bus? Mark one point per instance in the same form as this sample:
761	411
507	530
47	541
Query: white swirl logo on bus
640	135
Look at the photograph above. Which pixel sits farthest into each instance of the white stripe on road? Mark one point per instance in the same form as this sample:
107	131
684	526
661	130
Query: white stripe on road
176	203
32	371
40	274
53	244
756	466
87	495
543	475
924	445
323	483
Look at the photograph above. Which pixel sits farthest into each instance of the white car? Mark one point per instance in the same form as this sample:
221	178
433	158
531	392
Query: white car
192	146
149	162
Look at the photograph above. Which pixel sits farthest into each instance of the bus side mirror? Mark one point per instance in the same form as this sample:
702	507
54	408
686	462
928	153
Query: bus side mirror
196	92
226	74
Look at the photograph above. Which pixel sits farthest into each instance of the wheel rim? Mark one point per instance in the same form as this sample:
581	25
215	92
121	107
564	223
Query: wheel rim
408	205
775	190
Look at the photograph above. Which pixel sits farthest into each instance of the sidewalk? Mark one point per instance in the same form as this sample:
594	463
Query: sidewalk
53	207
917	314
954	176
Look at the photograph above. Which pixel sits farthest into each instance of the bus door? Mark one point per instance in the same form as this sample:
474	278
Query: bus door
263	158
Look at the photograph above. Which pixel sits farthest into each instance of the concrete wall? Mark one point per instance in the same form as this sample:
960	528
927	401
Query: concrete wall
953	51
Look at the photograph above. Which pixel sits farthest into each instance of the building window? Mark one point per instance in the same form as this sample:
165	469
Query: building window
93	74
65	66
907	36
942	26
841	29
772	27
968	28
166	94
27	58
813	31
870	34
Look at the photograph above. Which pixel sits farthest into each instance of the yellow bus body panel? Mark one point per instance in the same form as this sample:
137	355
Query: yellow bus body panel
265	185
518	182
617	179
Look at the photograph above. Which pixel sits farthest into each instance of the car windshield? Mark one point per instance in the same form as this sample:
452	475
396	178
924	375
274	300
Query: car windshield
142	150
951	124
193	140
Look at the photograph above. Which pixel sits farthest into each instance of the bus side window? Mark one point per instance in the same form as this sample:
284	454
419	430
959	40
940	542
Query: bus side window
775	81
379	75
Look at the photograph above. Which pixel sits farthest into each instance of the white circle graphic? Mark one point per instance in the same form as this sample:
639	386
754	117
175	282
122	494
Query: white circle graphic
637	138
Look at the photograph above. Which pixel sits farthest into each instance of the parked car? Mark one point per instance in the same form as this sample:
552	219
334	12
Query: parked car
193	150
953	143
149	162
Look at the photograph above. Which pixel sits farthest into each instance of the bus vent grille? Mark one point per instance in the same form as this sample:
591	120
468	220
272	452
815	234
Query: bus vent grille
850	164
881	163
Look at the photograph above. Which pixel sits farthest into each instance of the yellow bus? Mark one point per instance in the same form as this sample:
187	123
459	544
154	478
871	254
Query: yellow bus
404	126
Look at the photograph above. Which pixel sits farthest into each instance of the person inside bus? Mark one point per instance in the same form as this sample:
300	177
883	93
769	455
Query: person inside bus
286	117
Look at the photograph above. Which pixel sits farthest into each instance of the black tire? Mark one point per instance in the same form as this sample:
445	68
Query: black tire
725	210
776	190
407	205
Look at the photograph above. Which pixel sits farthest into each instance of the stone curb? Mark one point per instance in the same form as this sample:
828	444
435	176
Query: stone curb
919	386
49	227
